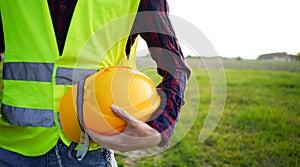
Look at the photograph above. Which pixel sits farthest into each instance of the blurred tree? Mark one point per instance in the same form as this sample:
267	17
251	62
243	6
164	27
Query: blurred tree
297	57
239	58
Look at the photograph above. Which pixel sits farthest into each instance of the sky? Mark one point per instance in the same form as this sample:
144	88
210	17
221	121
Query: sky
243	28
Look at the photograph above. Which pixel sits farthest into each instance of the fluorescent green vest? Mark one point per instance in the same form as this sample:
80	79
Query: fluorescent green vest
35	76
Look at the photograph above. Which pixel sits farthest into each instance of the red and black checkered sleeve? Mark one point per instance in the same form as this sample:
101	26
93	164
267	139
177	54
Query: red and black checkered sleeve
153	25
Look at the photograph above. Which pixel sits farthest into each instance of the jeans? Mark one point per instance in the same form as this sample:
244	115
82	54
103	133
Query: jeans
58	156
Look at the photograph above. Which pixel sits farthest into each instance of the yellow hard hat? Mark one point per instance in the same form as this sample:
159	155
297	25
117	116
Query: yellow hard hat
92	99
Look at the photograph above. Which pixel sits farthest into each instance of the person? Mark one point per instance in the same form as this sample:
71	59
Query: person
39	40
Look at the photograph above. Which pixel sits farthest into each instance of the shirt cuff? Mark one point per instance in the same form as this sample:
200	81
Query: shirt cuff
165	134
165	118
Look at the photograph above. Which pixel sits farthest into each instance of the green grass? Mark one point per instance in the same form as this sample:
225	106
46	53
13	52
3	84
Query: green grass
260	125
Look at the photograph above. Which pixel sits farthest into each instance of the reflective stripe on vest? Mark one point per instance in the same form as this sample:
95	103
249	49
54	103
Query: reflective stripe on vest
19	116
70	76
43	72
28	71
36	76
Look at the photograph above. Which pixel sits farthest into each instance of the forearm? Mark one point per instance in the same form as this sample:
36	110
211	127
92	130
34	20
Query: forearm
166	52
172	93
156	29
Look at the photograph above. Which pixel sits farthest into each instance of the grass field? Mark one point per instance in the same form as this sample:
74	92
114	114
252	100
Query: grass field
260	125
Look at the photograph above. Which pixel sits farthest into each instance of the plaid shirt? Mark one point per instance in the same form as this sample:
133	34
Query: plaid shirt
164	49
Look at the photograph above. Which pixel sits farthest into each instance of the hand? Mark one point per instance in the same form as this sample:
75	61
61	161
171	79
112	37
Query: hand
137	134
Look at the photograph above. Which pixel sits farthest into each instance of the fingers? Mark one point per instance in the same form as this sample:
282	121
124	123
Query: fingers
137	134
123	142
120	112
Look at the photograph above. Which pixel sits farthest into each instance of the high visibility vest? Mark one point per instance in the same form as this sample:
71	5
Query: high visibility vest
36	76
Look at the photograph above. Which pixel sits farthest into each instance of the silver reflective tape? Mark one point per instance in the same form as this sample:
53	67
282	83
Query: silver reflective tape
70	76
28	117
80	94
83	145
28	71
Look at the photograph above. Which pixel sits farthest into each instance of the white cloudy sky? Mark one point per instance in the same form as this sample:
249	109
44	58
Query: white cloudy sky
245	28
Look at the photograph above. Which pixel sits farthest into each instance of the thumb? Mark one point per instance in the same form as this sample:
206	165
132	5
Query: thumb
120	112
